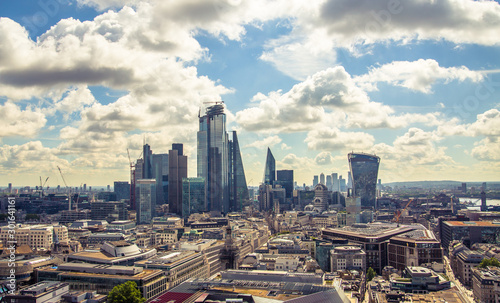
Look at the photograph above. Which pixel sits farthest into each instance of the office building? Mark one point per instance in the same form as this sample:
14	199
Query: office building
315	180
121	189
321	197
147	165
269	169
414	249
37	237
347	257
177	170
285	179
110	211
238	194
364	171
112	253
160	173
486	284
329	182
419	279
145	200
41	292
265	197
219	162
469	232
373	239
193	196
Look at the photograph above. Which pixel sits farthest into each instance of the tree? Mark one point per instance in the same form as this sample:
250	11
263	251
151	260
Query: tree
489	262
125	293
370	274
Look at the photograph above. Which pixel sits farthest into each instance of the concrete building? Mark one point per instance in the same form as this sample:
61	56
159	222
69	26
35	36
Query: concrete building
414	249
373	239
178	266
470	232
273	276
419	280
113	253
37	237
110	211
347	257
485	283
41	292
102	279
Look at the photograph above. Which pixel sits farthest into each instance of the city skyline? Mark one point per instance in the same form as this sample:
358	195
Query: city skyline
417	84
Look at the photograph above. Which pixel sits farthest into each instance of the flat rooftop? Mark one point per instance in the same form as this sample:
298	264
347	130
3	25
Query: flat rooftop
474	223
375	229
418	235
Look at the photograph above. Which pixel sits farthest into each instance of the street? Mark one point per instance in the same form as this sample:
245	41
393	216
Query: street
466	294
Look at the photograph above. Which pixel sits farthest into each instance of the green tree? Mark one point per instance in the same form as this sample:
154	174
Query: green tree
489	262
370	274
125	293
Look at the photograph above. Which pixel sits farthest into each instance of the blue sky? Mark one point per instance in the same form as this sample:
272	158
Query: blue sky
417	83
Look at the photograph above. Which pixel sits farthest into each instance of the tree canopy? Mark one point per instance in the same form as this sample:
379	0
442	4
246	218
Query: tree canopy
370	274
125	293
489	262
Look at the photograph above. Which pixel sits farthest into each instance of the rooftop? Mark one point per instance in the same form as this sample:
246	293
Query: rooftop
376	229
474	223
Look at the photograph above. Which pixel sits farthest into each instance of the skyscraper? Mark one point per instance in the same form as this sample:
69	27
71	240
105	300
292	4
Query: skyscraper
177	170
193	196
335	182
364	171
315	180
121	189
329	182
219	162
145	200
270	169
237	181
147	166
322	178
160	174
285	179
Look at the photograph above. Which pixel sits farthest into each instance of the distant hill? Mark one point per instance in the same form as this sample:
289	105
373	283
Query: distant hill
445	184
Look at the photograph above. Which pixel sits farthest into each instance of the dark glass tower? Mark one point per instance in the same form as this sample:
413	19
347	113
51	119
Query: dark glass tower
285	179
364	171
238	194
147	166
177	170
270	169
212	157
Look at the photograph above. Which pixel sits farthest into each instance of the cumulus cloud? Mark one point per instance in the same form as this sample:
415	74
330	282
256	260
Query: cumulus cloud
418	75
30	157
332	139
487	149
17	122
265	143
324	158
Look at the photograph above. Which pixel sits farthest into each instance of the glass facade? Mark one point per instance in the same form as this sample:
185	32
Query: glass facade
193	196
160	172
146	200
270	169
122	190
364	171
238	182
285	179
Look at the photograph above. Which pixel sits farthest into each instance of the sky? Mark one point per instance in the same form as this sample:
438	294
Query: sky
415	82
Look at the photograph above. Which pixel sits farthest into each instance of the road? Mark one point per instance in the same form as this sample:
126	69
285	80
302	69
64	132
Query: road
466	294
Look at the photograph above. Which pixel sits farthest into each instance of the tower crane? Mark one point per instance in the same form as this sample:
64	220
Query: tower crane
42	185
69	188
396	217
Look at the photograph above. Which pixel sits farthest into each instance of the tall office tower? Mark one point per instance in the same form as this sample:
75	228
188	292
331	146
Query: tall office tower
212	157
121	189
193	196
108	188
342	185
484	207
160	174
177	170
335	182
238	189
483	187
146	200
10	188
147	166
464	188
322	178
364	169
315	180
265	197
270	169
329	182
349	180
85	187
285	179
139	166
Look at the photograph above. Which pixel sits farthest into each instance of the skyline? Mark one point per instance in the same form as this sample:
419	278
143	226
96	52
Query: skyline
416	84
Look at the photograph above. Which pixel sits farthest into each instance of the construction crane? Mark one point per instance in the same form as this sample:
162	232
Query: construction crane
69	188
398	214
42	185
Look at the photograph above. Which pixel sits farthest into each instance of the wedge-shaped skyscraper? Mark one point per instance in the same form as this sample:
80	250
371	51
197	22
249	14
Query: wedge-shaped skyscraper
364	171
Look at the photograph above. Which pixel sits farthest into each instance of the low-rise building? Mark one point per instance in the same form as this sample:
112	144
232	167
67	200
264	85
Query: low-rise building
347	257
41	292
485	284
113	253
419	280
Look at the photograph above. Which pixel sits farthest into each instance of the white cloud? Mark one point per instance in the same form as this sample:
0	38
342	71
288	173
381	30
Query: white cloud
265	143
29	158
418	75
332	139
487	149
17	122
324	158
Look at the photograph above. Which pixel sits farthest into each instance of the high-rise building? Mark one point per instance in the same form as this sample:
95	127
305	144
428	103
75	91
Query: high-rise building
147	166
270	169
364	171
335	182
342	185
484	206
145	200
219	163
121	189
322	178
349	180
238	189
285	179
10	188
177	170
315	180
329	182
160	174
193	196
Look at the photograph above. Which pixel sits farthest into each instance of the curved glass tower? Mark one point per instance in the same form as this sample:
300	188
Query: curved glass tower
364	171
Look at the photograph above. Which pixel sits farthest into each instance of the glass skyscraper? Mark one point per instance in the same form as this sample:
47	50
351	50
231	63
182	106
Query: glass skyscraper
270	169
193	196
146	200
364	171
285	179
219	162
